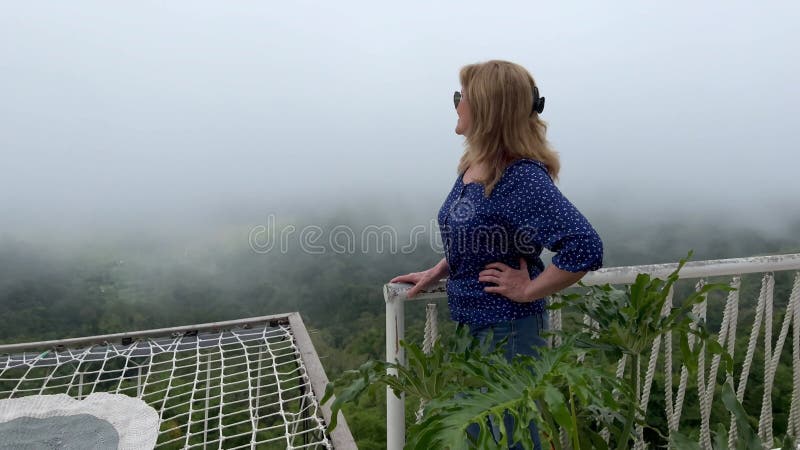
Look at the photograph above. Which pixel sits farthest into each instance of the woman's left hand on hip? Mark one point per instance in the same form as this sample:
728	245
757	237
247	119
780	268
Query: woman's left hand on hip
511	283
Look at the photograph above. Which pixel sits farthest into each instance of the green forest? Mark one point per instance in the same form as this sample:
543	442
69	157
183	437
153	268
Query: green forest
55	287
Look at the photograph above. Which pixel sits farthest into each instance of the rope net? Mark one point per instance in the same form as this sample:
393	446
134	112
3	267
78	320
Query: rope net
234	388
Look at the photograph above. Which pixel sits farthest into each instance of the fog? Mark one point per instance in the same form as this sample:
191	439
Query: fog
168	115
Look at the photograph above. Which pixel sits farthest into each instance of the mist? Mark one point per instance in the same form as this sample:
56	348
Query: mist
120	121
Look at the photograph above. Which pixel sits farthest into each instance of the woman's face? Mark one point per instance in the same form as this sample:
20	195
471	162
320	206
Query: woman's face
464	124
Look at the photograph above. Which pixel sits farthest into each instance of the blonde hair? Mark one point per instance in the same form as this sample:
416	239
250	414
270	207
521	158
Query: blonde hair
500	95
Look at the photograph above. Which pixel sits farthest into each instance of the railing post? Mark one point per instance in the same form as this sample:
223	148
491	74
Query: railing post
395	332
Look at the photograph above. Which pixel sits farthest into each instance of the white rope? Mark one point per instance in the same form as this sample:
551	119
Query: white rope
638	376
751	344
748	359
669	410
594	326
722	340
733	301
564	437
771	362
197	372
621	366
726	339
587	322
431	328
207	402
251	388
679	397
556	325
431	335
704	399
649	375
793	428
605	433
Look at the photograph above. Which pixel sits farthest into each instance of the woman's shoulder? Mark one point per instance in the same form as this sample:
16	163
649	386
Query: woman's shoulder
525	171
528	183
528	164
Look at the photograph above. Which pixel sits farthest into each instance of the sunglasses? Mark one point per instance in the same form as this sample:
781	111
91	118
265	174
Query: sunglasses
538	102
456	98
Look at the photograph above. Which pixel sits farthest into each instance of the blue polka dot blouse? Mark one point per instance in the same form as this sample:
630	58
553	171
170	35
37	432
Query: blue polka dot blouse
525	213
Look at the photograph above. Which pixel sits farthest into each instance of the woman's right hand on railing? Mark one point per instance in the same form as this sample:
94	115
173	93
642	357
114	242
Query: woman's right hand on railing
422	280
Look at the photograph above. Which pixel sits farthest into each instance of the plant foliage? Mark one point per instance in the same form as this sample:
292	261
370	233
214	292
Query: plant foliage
570	389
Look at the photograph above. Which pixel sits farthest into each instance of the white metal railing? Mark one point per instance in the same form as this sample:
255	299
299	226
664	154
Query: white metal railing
395	296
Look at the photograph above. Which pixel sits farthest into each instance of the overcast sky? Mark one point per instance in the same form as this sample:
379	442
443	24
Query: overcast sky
155	110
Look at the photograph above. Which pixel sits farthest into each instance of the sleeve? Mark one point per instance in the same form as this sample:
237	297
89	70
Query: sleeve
538	213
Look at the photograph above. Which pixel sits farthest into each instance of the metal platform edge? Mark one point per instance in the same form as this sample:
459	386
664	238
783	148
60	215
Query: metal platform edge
341	436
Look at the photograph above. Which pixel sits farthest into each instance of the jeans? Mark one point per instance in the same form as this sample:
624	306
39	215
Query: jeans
523	336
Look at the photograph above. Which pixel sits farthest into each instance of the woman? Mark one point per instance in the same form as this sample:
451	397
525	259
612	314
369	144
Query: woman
503	209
